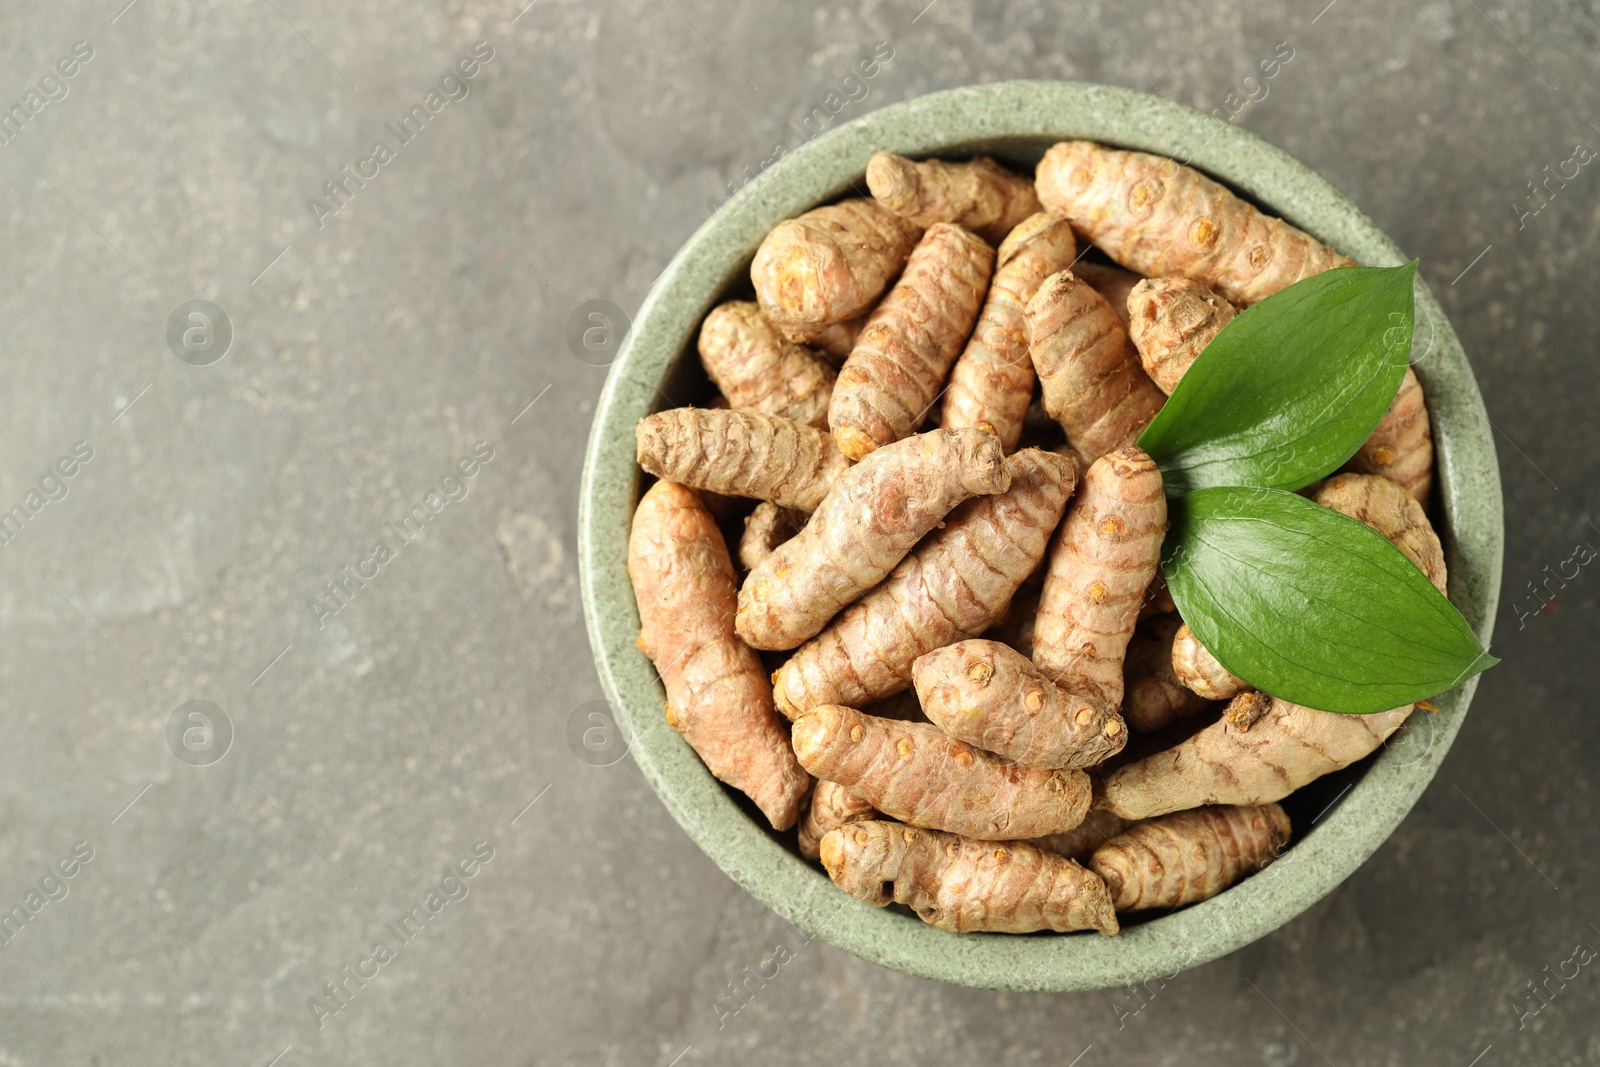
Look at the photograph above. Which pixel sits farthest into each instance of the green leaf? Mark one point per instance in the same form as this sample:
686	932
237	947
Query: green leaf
1310	605
1292	387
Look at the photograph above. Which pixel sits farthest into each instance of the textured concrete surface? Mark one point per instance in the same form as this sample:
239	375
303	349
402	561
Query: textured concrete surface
392	740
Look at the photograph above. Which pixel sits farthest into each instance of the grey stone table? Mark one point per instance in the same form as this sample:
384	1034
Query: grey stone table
380	755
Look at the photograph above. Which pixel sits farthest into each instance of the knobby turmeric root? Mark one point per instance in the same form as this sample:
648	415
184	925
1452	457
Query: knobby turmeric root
1158	218
1088	370
1171	320
832	806
1189	856
1153	695
717	693
964	886
1103	557
741	453
1198	670
991	696
758	370
900	361
981	196
912	772
1401	446
1113	283
765	528
1264	748
829	265
1078	843
1285	748
875	513
992	382
953	585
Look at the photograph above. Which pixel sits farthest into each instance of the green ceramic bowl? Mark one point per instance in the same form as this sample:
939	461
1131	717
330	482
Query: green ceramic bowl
1339	821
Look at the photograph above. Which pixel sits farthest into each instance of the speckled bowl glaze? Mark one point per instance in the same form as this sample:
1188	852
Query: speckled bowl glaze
1015	122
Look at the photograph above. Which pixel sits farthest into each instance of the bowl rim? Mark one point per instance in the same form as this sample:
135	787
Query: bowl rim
1011	118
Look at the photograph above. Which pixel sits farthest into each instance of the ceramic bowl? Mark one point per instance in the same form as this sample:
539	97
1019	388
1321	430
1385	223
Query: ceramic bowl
1339	821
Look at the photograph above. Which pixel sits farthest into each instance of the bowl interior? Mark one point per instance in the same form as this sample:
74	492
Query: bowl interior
1339	821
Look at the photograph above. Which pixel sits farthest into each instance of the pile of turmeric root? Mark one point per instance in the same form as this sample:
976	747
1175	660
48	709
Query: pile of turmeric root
950	660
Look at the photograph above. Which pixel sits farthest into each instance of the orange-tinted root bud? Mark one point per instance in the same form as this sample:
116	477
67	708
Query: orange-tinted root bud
1247	709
